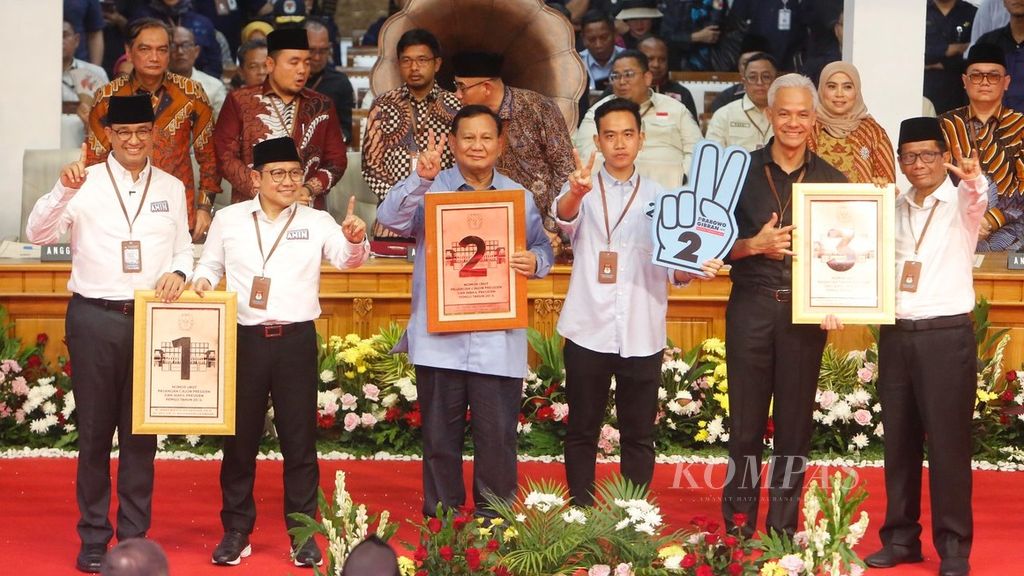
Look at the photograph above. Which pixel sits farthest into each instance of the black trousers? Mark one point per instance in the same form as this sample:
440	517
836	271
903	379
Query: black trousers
100	343
926	383
283	368
494	402
768	358
588	377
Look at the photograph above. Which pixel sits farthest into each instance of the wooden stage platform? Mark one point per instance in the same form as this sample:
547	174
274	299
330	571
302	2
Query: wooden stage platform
35	295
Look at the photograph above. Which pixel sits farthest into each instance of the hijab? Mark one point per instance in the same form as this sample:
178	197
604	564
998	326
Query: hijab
841	126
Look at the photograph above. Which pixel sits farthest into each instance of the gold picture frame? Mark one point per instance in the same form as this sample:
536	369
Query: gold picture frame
845	253
469	239
184	367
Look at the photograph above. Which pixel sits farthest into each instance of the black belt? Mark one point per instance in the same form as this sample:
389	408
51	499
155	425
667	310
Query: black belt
126	307
933	323
272	330
779	295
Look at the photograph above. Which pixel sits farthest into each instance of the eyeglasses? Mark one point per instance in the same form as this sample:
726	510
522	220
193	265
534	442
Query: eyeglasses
421	62
319	51
764	78
183	46
991	77
124	135
277	175
623	76
910	158
460	87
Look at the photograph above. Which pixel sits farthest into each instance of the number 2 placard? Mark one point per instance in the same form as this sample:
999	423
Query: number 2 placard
184	372
469	239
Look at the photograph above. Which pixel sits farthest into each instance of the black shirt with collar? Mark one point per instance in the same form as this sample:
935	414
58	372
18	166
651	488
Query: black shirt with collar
755	207
336	86
730	94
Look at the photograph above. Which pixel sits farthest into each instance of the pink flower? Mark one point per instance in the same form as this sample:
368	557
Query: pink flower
368	420
19	416
4	410
329	409
792	562
348	402
8	366
865	374
19	386
827	398
862	417
623	570
599	570
561	410
371	392
351	421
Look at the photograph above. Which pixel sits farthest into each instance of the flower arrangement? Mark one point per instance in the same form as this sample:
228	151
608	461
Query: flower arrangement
708	550
847	406
343	523
825	545
694	396
454	543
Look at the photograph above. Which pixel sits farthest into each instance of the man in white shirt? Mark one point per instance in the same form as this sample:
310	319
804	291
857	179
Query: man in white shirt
670	130
79	82
927	360
598	32
271	248
613	320
184	52
743	122
129	231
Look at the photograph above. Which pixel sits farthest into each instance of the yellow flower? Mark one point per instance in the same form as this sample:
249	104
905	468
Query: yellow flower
353	338
773	569
361	368
723	401
485	532
701	436
669	551
714	346
702	423
721	371
509	534
985	396
406	566
723	386
497	521
350	375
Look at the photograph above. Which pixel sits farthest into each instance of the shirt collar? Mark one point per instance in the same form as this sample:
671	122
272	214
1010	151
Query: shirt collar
268	90
766	157
946	192
748	104
459	181
122	173
256	208
995	117
630	182
430	97
138	89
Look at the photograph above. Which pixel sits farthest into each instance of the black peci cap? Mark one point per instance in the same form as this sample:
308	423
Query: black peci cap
274	150
135	109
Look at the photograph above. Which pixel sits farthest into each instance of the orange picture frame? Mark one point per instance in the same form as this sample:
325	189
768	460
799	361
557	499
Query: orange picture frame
469	239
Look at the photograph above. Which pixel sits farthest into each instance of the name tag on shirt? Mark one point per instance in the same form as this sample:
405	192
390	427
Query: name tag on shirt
785	19
131	256
260	293
160	206
301	234
739	124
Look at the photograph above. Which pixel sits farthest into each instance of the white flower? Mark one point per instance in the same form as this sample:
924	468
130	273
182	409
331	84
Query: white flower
37	395
69	404
407	389
43	425
715	429
860	441
192	439
624	570
791	562
841	410
641	514
49	408
574	516
674	563
879	430
860	397
662	394
561	410
327	376
827	398
520	518
857	529
328	402
389	400
543	501
524	428
876	408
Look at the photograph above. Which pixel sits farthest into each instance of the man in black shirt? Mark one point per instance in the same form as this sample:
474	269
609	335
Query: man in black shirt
769	356
657	60
325	79
947	32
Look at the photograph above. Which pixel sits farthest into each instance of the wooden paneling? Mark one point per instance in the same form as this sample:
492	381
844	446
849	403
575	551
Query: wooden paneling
369	298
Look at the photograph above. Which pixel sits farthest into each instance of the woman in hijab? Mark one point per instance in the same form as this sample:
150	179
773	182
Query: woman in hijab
845	135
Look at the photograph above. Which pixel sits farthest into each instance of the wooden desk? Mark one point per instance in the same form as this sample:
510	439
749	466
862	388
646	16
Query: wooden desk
367	298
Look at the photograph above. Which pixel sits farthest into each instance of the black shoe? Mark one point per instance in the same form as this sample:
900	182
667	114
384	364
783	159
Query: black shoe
954	567
893	555
90	556
307	555
232	548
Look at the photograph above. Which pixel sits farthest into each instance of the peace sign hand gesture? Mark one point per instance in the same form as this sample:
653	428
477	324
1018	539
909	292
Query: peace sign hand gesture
353	226
429	162
73	175
580	181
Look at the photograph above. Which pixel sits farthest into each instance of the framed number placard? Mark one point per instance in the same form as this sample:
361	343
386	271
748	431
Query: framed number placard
470	237
845	253
184	381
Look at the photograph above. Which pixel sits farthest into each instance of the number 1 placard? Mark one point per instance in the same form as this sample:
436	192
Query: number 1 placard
184	377
469	239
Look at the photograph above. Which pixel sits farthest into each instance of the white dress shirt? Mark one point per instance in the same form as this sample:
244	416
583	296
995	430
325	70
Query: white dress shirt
946	285
215	90
670	135
293	268
595	71
98	227
740	123
628	317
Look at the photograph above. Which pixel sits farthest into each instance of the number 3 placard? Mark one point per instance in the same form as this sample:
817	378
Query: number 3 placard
469	239
184	377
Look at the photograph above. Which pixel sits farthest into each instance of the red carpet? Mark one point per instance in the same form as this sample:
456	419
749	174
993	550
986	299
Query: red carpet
38	513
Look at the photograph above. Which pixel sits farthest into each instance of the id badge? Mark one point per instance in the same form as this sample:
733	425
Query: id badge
911	276
131	256
607	267
260	293
785	19
413	160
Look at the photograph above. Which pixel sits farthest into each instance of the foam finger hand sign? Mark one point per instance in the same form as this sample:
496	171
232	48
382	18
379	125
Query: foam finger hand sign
692	226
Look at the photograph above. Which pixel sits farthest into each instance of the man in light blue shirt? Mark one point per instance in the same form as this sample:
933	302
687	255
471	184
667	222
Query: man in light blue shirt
598	32
479	370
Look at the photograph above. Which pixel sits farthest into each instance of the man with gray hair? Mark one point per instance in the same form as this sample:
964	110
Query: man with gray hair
768	356
135	557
